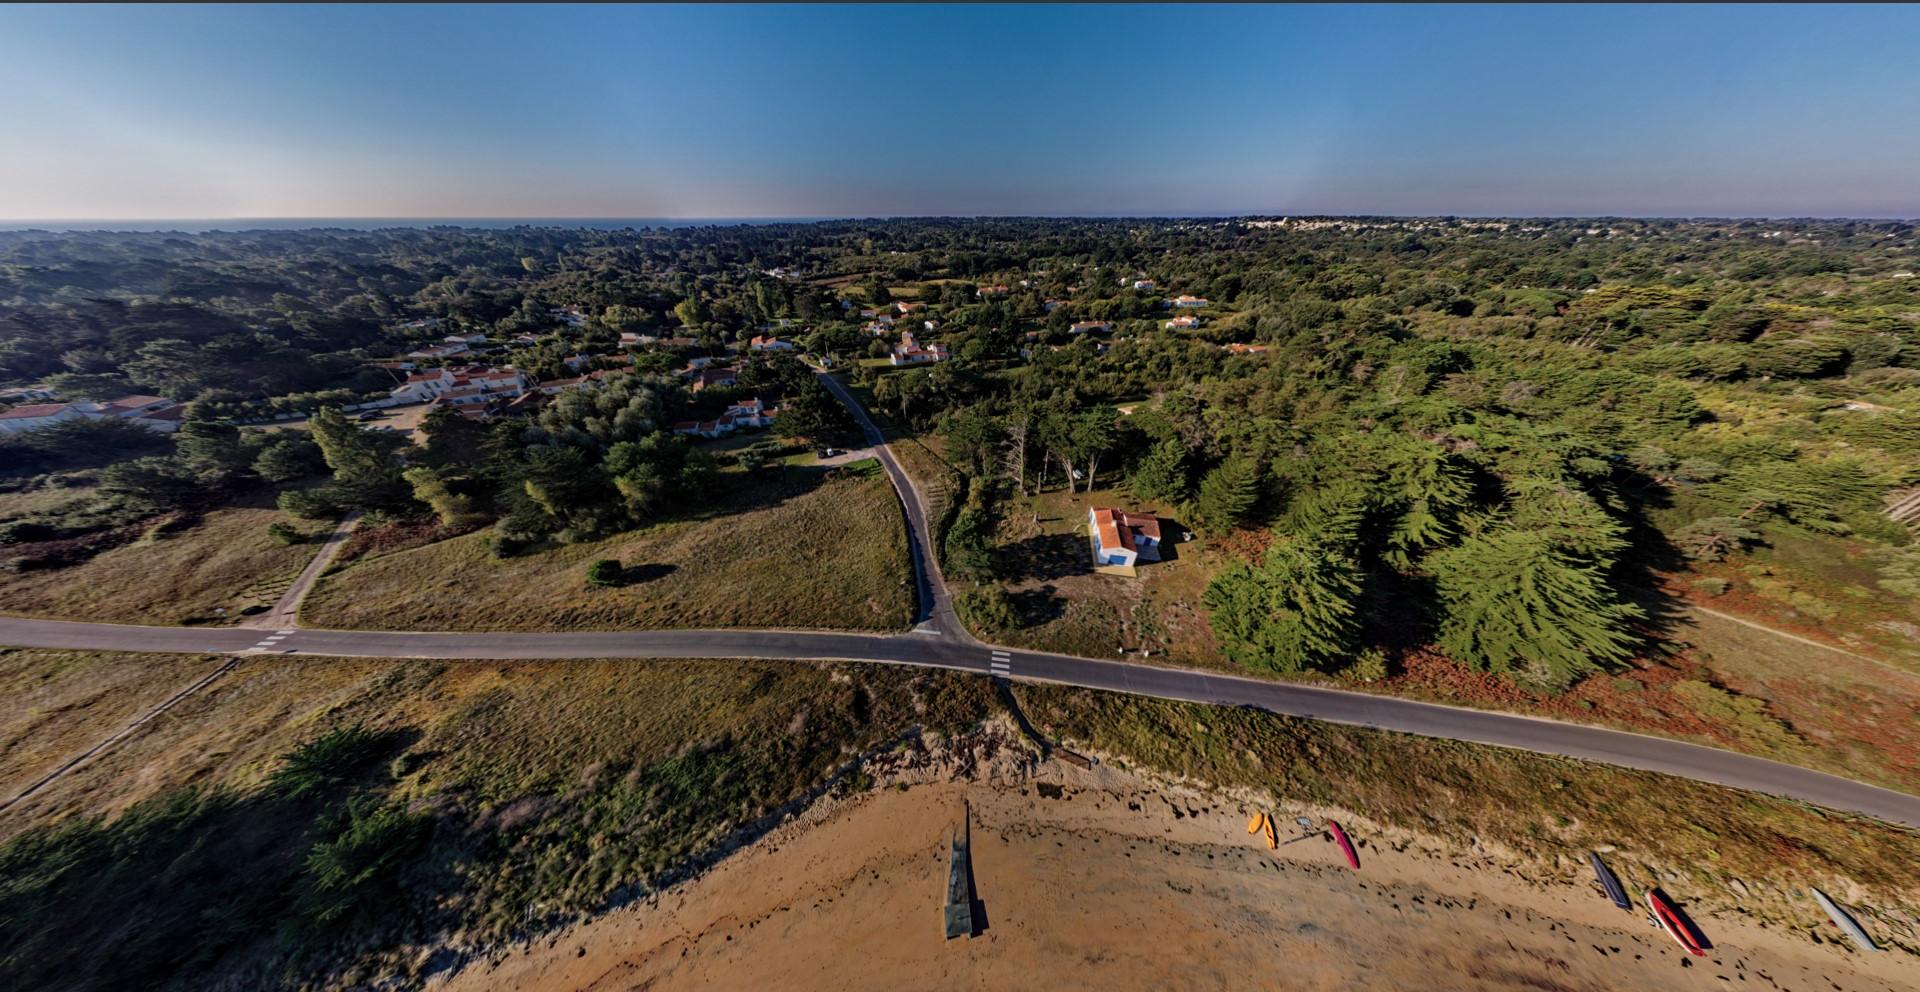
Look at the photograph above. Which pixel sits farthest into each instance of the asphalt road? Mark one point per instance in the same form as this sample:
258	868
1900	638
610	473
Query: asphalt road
940	641
1690	761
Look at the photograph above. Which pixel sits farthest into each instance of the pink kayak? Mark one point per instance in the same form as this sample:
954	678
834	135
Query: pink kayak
1346	846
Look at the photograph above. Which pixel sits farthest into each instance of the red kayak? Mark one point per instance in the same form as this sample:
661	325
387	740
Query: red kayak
1675	924
1346	846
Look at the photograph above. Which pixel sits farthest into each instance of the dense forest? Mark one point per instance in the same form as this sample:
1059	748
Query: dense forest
1481	435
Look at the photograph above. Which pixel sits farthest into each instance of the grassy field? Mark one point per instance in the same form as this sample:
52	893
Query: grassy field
61	703
225	560
487	798
756	561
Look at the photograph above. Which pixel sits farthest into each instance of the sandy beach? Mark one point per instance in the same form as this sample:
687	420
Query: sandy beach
1103	880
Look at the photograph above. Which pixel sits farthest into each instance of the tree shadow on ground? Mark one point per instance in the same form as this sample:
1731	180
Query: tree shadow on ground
1037	607
641	574
1650	554
1045	557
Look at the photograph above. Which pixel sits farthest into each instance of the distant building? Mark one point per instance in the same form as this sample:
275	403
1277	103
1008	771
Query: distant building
746	413
1245	349
710	377
1145	284
760	343
155	413
1183	323
461	386
911	352
1092	327
1189	302
437	351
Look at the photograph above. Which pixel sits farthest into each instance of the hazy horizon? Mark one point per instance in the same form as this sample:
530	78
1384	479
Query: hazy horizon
138	115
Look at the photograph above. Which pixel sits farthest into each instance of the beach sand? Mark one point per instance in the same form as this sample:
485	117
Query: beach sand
1098	879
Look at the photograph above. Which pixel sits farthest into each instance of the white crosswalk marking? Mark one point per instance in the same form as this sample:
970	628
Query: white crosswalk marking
1000	664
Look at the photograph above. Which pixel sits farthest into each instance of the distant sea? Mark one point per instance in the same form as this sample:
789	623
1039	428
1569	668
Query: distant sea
377	223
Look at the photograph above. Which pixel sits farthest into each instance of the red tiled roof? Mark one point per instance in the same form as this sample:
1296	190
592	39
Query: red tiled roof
1116	527
34	410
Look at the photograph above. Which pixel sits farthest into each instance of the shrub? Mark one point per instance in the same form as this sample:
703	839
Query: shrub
1712	585
285	534
1370	665
606	572
988	608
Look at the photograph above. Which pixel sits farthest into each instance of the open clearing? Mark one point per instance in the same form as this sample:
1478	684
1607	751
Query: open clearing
813	551
226	561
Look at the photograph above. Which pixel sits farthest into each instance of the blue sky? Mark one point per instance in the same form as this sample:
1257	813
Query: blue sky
446	111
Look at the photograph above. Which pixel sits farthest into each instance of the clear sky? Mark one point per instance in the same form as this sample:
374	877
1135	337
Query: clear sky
552	112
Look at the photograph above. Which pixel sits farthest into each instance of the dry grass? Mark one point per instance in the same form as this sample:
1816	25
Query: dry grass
60	703
224	561
819	554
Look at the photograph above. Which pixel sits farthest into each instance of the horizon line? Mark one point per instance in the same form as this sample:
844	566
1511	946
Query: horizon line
72	223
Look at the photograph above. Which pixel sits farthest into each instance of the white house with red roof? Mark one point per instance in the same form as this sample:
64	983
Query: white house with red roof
743	414
1122	538
769	343
911	352
469	384
1189	302
155	413
1186	323
1092	326
447	350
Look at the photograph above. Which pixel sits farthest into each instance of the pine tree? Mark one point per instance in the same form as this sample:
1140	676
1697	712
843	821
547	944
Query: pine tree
1160	476
1297	609
1518	601
1227	494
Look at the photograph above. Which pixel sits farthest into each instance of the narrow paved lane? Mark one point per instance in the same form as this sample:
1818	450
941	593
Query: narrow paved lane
935	606
1613	747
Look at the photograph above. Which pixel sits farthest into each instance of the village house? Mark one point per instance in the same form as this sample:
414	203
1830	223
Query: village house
710	377
1189	302
906	308
461	386
1186	323
468	339
744	414
1142	284
1092	326
1052	305
1122	538
438	351
634	339
910	352
768	343
1237	348
995	290
422	324
155	413
570	315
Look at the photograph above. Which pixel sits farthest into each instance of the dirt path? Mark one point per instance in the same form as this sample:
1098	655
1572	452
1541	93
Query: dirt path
1096	880
1796	638
285	612
85	756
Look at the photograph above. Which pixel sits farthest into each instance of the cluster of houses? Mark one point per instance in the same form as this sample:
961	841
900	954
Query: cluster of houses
155	413
468	385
